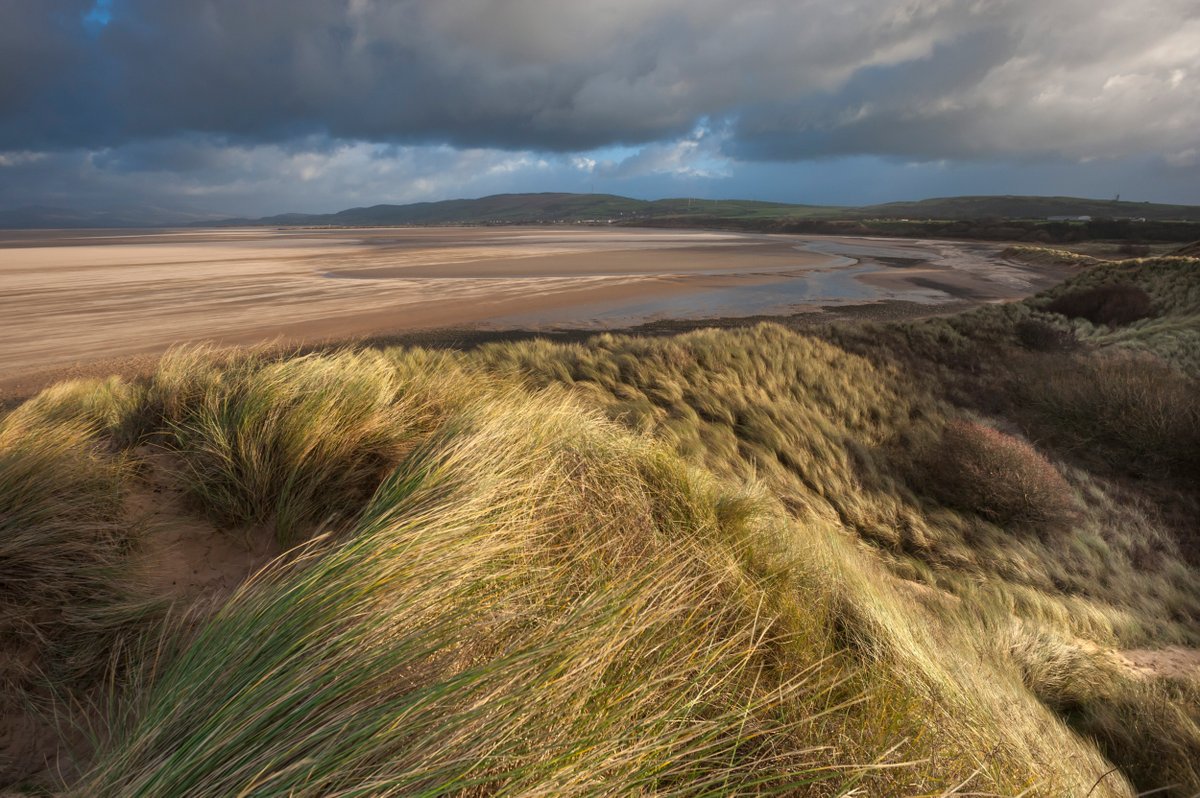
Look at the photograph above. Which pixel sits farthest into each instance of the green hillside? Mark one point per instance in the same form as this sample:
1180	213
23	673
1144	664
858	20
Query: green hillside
551	208
1015	207
539	208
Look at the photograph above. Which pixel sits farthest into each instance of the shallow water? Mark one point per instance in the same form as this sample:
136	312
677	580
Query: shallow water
781	292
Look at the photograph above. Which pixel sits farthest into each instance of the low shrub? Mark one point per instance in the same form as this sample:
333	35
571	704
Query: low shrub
1132	410
1041	336
1113	305
1133	250
982	470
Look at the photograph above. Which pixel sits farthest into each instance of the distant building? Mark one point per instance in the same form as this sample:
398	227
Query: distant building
1068	218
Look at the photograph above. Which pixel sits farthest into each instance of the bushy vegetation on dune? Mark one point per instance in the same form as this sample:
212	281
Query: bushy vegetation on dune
836	437
982	470
877	560
1112	305
1129	409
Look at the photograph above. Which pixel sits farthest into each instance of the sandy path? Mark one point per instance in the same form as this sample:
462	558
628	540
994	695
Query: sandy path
72	297
1174	662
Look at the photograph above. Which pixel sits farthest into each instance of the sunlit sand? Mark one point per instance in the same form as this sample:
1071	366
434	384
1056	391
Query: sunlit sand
74	296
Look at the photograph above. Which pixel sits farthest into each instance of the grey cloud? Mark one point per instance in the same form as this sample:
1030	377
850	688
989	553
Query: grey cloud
1067	80
194	175
169	181
794	78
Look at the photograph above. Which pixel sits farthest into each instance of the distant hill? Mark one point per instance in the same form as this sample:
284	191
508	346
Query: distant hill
1016	207
552	208
549	208
35	217
541	208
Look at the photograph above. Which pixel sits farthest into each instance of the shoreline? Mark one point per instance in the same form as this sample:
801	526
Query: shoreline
69	310
14	390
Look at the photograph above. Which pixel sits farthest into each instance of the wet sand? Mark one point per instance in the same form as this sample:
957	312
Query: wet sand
73	297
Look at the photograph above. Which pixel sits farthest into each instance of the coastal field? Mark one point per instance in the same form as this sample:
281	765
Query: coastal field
69	297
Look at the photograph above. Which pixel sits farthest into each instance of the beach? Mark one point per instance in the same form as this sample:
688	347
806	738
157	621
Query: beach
73	297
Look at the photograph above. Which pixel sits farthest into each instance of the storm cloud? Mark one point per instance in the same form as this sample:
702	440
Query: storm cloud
690	86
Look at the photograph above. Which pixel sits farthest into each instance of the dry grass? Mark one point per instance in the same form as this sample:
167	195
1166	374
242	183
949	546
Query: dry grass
61	544
538	601
686	565
1149	727
532	604
292	443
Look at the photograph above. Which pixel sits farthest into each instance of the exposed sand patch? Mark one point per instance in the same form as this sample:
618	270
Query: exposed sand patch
32	752
183	557
1173	662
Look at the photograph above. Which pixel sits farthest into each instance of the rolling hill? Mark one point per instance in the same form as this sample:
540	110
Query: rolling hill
556	208
1017	207
583	208
540	208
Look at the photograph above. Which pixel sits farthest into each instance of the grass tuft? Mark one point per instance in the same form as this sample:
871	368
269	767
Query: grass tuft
291	443
62	538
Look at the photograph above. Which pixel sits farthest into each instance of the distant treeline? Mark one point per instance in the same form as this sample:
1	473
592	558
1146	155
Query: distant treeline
1034	231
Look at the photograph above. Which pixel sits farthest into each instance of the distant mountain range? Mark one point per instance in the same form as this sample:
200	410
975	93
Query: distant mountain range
583	208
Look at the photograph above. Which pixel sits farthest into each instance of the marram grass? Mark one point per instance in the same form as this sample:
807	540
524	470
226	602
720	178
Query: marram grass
62	538
289	443
697	565
485	630
537	601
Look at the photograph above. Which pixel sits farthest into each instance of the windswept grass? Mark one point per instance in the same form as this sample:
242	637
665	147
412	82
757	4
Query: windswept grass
107	408
1173	285
536	601
292	443
726	562
61	542
1148	727
532	604
834	437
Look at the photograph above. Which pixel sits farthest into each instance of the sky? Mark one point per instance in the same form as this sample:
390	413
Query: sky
255	107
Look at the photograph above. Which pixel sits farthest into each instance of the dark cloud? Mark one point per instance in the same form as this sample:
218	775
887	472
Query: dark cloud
921	77
272	103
